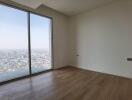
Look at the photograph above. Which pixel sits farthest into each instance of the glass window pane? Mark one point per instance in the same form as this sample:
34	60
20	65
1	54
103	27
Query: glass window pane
40	43
13	43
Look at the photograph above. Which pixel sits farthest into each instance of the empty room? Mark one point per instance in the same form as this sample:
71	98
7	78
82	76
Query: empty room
65	49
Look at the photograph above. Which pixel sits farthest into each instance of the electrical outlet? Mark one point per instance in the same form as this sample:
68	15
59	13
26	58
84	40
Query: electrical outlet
129	59
77	55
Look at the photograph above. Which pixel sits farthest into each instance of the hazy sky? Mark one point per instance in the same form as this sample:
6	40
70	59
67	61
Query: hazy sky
14	32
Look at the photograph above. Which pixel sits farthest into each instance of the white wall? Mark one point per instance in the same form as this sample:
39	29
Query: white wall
103	39
60	33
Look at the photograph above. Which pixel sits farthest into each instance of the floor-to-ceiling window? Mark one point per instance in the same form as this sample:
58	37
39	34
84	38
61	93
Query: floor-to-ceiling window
25	43
40	44
13	43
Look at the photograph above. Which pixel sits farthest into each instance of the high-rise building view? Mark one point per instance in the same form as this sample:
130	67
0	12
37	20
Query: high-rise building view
14	43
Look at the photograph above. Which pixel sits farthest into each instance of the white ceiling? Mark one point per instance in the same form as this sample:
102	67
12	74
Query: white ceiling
68	7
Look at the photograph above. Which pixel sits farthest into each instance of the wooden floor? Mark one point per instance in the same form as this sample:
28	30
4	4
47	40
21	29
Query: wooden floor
69	84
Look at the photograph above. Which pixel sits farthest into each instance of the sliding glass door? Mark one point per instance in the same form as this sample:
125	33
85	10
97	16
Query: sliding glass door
40	43
13	43
25	43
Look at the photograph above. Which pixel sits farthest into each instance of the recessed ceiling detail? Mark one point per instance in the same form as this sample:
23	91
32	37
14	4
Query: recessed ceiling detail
68	7
30	3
